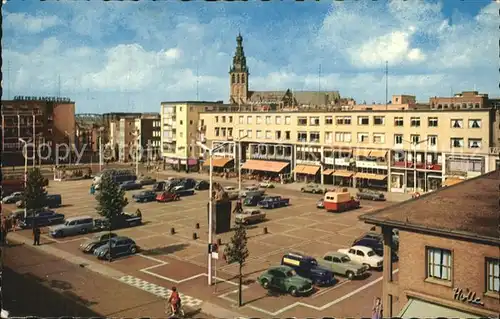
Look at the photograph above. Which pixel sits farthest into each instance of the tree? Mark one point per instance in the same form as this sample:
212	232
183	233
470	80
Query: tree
35	195
237	251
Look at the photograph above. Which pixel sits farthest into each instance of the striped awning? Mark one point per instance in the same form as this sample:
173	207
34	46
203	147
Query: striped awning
378	153
218	162
264	166
306	169
343	173
371	176
328	172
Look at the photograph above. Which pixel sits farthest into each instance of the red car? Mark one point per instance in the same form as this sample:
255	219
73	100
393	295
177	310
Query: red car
167	197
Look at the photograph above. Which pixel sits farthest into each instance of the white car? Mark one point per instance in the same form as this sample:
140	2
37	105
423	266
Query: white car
364	256
232	192
12	198
266	185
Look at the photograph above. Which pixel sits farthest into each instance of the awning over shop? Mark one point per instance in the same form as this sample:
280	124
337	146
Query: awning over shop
378	153
218	162
361	152
265	166
415	308
306	169
328	172
452	181
376	177
343	173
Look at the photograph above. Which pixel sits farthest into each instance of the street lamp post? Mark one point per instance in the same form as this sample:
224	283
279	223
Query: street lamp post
210	207
415	144
25	152
239	160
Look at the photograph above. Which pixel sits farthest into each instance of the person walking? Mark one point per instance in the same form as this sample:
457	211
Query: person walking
36	235
377	309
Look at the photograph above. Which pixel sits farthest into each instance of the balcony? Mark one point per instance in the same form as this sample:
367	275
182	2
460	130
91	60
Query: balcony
419	165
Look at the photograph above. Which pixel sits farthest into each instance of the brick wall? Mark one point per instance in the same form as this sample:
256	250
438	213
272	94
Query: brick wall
468	268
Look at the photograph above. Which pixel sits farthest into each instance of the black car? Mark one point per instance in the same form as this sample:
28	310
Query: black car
307	267
202	185
377	245
120	246
188	183
252	200
97	241
123	220
145	196
182	191
130	185
42	218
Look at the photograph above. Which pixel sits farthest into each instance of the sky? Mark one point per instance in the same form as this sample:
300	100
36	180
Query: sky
130	56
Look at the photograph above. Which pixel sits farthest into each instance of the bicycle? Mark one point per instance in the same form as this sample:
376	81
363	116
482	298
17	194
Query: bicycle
179	313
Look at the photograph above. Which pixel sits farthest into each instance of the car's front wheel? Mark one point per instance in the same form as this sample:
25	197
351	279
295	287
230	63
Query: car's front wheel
350	275
133	250
293	291
265	283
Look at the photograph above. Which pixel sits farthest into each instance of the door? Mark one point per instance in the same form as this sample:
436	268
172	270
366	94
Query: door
360	256
121	247
278	280
73	228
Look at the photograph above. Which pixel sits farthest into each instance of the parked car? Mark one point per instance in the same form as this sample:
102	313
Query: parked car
285	279
144	196
251	190
266	185
13	198
159	186
232	192
73	226
320	203
250	216
313	188
377	244
379	236
202	185
146	180
167	197
370	195
188	183
252	200
51	201
120	246
363	255
42	218
182	191
95	242
124	220
341	264
274	202
308	267
130	185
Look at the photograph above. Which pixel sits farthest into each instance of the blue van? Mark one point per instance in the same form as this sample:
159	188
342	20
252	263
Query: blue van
308	267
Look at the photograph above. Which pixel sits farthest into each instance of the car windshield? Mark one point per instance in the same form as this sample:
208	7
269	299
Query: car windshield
291	273
313	262
371	253
345	259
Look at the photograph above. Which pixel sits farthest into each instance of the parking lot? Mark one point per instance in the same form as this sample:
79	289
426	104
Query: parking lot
166	260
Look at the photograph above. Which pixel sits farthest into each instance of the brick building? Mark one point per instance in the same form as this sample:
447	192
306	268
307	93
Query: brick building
46	120
449	253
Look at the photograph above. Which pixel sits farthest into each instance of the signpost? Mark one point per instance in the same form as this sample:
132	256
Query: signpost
213	250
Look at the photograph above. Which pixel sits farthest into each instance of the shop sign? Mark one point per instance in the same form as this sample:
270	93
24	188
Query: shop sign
494	150
366	164
329	160
342	161
466	296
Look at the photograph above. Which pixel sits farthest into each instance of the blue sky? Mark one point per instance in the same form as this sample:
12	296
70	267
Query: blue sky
127	56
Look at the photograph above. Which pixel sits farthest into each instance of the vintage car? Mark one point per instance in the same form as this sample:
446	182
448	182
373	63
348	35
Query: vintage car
363	255
341	264
285	279
144	196
146	180
232	192
13	198
308	267
167	197
202	185
252	200
314	189
266	185
73	226
377	244
274	202
370	195
130	185
251	190
182	190
95	242
41	218
120	246
250	216
124	220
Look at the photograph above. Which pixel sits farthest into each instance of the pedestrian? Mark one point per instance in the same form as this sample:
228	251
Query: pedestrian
377	309
138	213
36	235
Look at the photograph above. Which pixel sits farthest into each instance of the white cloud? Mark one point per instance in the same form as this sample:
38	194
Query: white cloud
31	24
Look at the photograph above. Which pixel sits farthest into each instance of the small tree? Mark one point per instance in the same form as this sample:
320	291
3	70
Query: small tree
237	251
35	195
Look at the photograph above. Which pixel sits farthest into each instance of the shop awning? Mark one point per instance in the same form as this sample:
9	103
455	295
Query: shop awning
306	169
343	173
415	308
378	153
452	181
371	176
361	152
218	162
328	172
265	166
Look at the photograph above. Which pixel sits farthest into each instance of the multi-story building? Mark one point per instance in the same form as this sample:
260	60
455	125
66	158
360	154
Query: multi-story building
149	126
464	100
89	127
449	262
47	120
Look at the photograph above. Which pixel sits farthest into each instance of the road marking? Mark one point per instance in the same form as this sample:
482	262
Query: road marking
338	285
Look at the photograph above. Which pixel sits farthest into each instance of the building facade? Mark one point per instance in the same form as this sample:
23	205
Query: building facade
42	120
449	263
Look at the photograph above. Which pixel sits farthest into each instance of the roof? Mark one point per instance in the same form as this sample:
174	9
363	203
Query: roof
77	217
468	210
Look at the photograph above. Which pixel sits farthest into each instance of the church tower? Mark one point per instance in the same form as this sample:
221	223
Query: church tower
238	75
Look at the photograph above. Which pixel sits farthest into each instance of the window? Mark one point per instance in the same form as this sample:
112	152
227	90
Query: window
475	143
328	120
259	120
230	131
278	135
432	140
343	120
398	121
343	137
432	122
230	119
363	138
288	135
457	123
360	253
328	137
474	123
493	275
241	120
439	263
415	139
259	134
302	137
378	138
457	142
363	120
269	135
191	122
378	120
268	120
398	139
223	119
217	131
249	119
302	121
314	137
415	122
223	131
180	122
288	120
249	133
328	258
314	121
278	120
241	133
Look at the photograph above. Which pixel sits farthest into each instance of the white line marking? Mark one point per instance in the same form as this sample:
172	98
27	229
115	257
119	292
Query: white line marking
338	285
